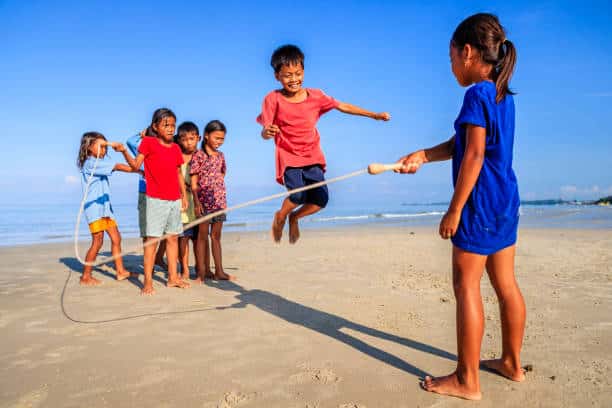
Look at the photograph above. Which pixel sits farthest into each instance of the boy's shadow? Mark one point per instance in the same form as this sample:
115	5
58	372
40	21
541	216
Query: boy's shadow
329	325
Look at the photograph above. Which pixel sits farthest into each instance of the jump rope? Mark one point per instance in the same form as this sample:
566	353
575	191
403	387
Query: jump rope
374	168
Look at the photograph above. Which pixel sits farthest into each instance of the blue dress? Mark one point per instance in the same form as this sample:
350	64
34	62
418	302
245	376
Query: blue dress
489	220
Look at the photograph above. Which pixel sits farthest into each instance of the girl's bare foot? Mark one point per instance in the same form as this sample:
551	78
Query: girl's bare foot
294	229
277	227
178	283
89	281
224	276
450	385
505	369
147	290
121	275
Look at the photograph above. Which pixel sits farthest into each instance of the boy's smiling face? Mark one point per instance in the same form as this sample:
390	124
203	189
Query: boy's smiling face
291	77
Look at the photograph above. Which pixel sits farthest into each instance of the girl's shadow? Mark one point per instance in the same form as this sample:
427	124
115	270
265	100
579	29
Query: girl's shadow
329	325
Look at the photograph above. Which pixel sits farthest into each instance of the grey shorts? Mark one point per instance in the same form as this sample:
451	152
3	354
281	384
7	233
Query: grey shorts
142	214
163	217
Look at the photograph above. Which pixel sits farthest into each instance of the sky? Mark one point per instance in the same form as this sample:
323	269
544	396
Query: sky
71	67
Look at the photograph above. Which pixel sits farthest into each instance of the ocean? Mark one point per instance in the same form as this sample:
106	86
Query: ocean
33	224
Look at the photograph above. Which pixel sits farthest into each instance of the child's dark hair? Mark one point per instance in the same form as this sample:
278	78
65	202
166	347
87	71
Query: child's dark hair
87	140
213	126
286	55
186	127
484	32
159	115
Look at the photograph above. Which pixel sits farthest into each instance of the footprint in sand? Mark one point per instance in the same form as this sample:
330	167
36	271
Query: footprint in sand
351	405
317	375
233	399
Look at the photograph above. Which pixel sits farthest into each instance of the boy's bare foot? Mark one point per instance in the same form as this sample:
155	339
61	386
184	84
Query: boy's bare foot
450	385
178	283
209	275
122	275
294	229
147	290
89	281
277	227
224	276
505	369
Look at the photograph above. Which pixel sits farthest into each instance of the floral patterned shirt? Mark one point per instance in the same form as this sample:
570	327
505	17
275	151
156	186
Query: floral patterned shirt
210	170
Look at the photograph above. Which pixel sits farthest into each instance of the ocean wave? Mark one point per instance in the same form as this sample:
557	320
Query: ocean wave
376	215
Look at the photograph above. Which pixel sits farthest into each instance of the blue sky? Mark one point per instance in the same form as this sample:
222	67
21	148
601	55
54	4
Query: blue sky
69	67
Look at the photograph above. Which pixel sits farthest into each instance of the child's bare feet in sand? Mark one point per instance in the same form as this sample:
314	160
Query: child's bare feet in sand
505	368
198	280
220	275
277	227
147	290
122	275
89	281
294	229
177	283
450	385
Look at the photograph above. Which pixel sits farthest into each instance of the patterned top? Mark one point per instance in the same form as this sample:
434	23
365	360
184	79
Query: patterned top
211	172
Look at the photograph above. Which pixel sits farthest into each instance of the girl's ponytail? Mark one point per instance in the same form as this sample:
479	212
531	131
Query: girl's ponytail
505	69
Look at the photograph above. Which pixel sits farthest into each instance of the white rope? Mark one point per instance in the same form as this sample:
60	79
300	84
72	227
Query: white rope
199	220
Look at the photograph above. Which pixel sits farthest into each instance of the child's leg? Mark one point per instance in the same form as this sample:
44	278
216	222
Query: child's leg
172	255
149	259
203	253
280	217
500	267
465	382
184	256
159	256
303	211
115	236
314	200
194	239
97	238
215	235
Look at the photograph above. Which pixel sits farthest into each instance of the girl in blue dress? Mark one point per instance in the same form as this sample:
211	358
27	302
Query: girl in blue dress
482	217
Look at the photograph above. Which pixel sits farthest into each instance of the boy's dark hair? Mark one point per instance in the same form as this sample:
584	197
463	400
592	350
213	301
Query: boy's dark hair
87	140
159	115
286	55
484	32
187	127
213	126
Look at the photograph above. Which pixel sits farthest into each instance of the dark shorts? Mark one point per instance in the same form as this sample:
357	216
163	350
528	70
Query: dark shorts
190	233
296	177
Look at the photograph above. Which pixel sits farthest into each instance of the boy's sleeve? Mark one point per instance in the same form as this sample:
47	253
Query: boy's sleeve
132	144
327	103
473	111
268	110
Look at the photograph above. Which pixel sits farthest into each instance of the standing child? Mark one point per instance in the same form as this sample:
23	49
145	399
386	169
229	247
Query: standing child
208	170
289	115
188	136
166	195
482	218
98	208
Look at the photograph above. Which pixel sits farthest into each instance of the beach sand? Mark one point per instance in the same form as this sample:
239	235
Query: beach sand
348	317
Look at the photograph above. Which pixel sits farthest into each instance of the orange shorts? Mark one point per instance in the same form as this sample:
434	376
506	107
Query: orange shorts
102	224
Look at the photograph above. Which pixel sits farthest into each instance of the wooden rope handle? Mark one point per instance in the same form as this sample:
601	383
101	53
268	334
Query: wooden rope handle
377	168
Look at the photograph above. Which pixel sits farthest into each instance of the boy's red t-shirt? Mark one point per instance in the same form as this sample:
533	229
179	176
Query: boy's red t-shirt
298	142
161	164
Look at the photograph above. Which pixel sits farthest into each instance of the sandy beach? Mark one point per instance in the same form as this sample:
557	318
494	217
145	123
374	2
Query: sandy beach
348	317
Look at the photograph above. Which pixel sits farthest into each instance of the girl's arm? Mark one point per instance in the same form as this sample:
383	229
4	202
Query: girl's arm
472	162
132	168
356	110
413	161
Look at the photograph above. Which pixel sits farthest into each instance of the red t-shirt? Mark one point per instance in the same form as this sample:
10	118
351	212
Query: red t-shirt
298	142
161	164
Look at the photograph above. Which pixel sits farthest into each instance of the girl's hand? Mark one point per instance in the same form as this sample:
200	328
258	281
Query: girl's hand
382	116
268	132
412	162
449	224
118	147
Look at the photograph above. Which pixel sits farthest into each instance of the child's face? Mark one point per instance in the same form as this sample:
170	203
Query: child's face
189	142
98	144
291	77
165	129
462	64
215	139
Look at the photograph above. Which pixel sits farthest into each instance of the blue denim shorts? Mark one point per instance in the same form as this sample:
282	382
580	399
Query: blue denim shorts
296	177
190	233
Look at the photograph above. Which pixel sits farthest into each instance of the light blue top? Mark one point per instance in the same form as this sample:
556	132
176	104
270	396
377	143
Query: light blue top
97	203
132	144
